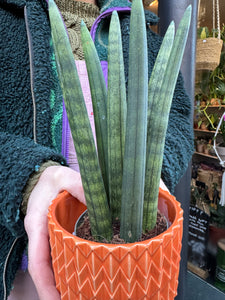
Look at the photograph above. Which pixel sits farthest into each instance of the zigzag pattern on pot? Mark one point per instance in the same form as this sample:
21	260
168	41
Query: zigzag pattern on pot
146	272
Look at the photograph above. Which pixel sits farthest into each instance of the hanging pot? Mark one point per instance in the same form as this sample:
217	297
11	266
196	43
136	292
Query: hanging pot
208	50
90	270
208	53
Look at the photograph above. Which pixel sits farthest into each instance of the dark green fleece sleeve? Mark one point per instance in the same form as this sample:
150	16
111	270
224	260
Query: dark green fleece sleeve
19	158
30	101
179	144
30	104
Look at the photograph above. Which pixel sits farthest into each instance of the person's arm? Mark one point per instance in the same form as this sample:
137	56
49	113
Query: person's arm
52	181
19	158
25	169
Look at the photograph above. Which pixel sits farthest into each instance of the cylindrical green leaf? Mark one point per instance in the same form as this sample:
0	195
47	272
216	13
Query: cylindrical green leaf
135	141
157	118
161	88
116	115
99	99
95	195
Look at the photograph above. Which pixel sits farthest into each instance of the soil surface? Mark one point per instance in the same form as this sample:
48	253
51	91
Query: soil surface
84	231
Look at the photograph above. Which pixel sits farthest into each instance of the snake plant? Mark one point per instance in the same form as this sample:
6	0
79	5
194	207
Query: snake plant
121	178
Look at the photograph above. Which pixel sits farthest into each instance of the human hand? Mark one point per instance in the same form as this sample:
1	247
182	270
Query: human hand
52	181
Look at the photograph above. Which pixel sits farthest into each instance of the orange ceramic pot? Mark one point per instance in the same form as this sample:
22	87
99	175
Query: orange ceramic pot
89	270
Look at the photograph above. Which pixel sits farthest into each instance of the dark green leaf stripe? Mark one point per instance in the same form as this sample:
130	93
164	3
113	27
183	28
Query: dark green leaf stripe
96	199
135	141
160	99
99	98
116	114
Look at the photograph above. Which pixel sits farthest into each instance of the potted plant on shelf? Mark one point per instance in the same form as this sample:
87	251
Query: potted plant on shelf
200	142
120	180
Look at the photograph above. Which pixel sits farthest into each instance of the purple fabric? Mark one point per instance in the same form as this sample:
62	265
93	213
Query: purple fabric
104	65
65	133
24	262
106	13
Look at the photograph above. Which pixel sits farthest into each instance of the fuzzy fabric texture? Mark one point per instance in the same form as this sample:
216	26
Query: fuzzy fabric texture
105	4
10	255
18	69
19	154
73	12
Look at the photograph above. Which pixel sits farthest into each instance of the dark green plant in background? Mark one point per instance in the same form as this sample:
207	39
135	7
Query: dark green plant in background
217	216
199	194
122	179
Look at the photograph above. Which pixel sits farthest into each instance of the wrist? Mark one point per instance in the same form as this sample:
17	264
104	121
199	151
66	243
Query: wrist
33	180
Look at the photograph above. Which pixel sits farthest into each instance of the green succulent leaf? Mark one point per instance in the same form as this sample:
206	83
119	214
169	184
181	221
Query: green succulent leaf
97	203
155	138
161	88
135	140
99	99
131	153
116	107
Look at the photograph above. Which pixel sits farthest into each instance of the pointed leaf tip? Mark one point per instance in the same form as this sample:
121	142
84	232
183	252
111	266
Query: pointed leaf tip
114	12
51	3
188	10
189	7
171	29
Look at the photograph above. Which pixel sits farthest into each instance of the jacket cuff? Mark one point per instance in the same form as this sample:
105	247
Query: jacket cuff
33	181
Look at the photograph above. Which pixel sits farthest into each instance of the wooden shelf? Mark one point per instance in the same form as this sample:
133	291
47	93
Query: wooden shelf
206	155
204	274
207	131
211	106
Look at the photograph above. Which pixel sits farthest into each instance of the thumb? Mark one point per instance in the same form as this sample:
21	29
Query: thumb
39	264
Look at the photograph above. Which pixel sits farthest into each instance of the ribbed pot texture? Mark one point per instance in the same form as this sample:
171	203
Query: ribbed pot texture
89	270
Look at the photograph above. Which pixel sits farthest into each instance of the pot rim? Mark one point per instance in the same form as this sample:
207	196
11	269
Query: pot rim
162	194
